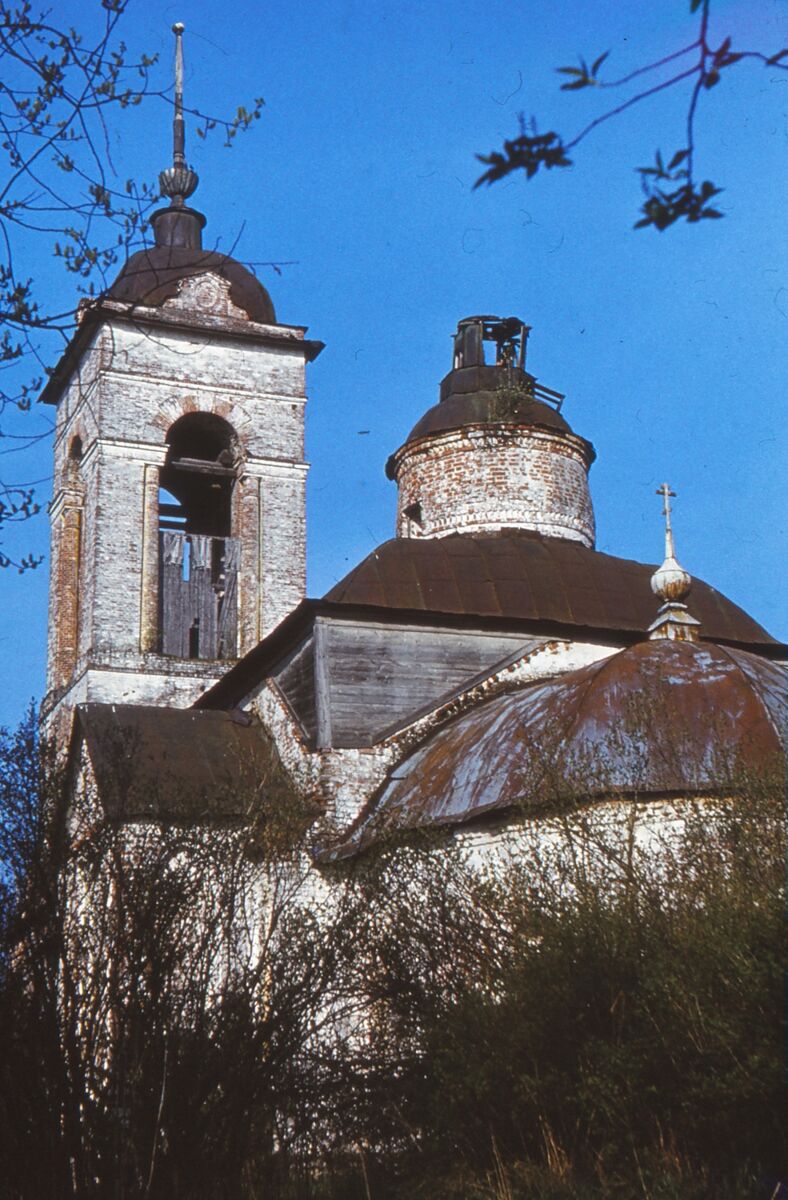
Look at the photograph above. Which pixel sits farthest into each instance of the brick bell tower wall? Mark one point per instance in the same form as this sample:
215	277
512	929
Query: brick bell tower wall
140	373
494	476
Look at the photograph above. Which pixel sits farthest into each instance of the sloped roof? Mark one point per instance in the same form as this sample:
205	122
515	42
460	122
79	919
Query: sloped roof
659	718
180	764
521	574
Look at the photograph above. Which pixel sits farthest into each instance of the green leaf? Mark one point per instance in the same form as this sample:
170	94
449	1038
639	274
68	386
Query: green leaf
695	5
599	62
569	71
677	158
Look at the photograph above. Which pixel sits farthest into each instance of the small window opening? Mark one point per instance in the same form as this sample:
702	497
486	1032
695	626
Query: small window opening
75	449
413	513
194	639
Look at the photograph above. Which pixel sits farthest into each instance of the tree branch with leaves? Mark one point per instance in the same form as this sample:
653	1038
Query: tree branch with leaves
60	96
672	189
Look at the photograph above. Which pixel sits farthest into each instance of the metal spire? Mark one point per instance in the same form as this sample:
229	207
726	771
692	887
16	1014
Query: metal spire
672	585
178	182
178	131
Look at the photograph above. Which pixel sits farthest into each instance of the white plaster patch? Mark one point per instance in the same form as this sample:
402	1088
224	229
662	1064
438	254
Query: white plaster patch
206	294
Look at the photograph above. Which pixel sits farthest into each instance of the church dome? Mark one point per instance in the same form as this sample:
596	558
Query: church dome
502	393
489	405
660	719
155	274
496	452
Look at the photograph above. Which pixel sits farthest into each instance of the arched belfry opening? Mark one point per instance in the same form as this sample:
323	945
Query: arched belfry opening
198	556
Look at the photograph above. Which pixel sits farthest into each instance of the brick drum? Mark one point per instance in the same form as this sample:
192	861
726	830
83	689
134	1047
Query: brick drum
489	477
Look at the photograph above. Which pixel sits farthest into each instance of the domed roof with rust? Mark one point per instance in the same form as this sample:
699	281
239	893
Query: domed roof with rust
659	719
499	392
501	406
152	276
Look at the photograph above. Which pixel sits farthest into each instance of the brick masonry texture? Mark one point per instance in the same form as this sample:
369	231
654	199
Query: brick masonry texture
134	380
500	477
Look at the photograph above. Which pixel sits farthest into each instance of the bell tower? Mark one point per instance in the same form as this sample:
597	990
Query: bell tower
178	520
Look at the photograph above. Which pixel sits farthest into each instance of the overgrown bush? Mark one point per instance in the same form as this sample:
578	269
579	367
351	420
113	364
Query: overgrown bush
596	1011
623	1036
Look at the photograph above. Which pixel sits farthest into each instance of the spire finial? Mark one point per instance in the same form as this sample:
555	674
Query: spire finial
671	584
178	131
178	181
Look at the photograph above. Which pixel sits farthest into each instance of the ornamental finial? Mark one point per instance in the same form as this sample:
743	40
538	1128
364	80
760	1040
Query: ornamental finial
672	585
178	181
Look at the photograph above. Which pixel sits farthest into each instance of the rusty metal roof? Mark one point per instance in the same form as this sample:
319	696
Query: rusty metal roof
659	718
520	574
484	408
152	276
180	765
472	408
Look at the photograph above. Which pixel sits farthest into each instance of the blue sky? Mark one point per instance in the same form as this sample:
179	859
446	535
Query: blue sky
670	347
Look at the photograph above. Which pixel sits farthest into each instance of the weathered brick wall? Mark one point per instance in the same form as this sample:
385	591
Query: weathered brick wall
134	380
495	477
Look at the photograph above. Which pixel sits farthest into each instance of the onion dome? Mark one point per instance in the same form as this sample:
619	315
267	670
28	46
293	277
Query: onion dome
661	719
495	452
154	275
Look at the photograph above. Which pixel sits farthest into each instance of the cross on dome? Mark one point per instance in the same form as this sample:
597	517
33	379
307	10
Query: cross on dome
665	492
672	584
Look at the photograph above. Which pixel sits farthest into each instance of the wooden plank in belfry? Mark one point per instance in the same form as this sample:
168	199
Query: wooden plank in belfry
227	630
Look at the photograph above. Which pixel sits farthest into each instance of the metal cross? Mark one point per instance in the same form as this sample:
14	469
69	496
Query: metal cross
665	492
